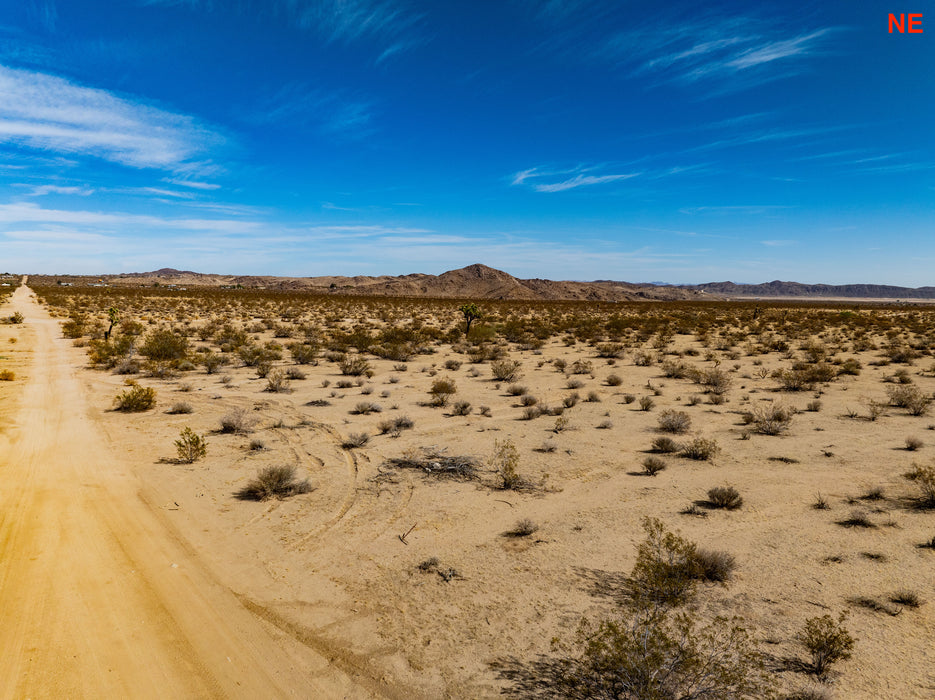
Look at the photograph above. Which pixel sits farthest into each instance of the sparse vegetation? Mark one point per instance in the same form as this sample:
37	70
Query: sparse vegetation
190	446
274	482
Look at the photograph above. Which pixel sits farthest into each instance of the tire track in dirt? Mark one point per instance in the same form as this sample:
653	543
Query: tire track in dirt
98	598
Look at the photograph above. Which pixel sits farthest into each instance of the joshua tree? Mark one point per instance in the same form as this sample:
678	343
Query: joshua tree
471	313
114	315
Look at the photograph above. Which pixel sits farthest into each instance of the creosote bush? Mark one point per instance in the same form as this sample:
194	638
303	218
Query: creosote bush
442	390
677	422
655	654
136	399
190	446
827	641
274	482
505	461
506	370
700	449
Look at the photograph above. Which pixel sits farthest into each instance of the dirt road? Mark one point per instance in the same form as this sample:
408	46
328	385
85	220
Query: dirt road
97	598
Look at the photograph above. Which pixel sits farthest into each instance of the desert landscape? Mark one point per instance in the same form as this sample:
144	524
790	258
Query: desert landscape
303	494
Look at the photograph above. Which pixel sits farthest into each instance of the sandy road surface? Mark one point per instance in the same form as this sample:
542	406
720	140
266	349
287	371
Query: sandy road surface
97	598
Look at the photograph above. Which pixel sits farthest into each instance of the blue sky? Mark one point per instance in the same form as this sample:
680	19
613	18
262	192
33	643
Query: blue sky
569	139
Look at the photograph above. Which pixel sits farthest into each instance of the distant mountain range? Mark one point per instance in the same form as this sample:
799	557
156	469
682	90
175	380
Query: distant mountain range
482	282
796	289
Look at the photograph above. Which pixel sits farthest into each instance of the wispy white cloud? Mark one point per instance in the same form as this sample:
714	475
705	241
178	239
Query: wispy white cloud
389	23
193	184
49	113
19	213
778	243
560	180
567	179
42	190
581	181
735	209
332	113
682	42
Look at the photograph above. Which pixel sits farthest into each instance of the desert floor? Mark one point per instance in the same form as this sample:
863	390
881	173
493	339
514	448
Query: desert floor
125	573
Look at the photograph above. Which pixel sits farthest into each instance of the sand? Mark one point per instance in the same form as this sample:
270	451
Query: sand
320	596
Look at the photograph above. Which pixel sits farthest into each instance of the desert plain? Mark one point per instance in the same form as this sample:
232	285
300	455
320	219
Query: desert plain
455	502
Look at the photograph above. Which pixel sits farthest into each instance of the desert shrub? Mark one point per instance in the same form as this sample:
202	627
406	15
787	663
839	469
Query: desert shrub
274	482
7	375
190	446
277	382
772	419
653	465
813	406
442	390
827	641
713	565
212	362
523	528
913	443
923	476
135	399
295	373
700	448
726	497
353	365
663	572
461	408
303	353
237	421
453	365
654	654
163	345
593	397
531	412
908	397
571	400
665	444
614	380
574	384
365	408
528	400
610	350
484	411
674	370
677	422
179	408
516	390
647	403
355	440
909	599
506	370
581	367
505	462
394	426
257	445
17	317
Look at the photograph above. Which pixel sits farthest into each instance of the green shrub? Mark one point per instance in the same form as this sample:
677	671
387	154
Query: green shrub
658	655
354	366
135	399
190	446
442	390
827	640
164	346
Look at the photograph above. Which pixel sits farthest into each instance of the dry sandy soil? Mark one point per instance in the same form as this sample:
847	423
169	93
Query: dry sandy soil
127	574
